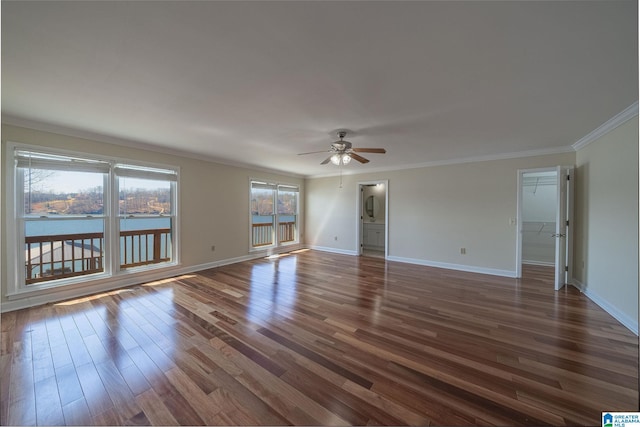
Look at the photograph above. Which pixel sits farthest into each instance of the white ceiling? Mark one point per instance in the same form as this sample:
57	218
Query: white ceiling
257	82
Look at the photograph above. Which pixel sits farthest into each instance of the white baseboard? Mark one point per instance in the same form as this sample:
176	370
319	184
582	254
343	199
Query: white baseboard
448	266
459	267
235	260
51	295
628	322
541	263
332	250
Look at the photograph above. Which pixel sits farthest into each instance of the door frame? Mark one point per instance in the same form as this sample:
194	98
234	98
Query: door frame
360	214
566	180
564	212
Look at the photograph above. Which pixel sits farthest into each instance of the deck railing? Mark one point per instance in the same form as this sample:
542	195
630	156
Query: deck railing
287	231
144	247
262	233
69	255
66	255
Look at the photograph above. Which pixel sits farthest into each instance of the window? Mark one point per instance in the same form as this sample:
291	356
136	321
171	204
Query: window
81	216
287	213
274	214
262	214
145	212
62	217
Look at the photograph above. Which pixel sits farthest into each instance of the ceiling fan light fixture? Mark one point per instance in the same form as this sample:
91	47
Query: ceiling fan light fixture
342	152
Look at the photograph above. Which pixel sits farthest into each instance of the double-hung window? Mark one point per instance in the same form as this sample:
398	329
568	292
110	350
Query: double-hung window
62	215
80	218
274	214
146	213
287	198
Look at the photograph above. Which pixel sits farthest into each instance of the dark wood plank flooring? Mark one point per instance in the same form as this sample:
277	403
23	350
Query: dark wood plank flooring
313	338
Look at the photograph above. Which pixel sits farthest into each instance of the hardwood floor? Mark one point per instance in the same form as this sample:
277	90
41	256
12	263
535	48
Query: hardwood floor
319	339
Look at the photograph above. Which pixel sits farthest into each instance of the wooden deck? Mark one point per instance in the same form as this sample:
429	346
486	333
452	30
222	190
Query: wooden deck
319	339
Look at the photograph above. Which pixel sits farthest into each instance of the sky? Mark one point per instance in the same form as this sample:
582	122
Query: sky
72	182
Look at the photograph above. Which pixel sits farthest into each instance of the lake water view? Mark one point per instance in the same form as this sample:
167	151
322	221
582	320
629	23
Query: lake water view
52	227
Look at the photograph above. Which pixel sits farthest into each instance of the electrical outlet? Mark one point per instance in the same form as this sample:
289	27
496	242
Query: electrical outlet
335	238
213	248
463	251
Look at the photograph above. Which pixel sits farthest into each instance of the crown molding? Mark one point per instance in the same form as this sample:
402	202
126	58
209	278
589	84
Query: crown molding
608	126
460	160
106	139
615	121
620	118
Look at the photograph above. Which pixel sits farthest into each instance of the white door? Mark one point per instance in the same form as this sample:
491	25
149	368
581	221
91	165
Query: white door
362	238
564	226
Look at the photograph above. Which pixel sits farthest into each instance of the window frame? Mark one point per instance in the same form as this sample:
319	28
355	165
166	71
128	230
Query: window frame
277	243
296	240
173	217
16	219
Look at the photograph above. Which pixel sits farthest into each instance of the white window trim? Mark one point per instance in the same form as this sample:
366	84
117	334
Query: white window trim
16	287
276	240
296	241
150	174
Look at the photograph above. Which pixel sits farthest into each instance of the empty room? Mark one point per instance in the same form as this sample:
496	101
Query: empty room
319	213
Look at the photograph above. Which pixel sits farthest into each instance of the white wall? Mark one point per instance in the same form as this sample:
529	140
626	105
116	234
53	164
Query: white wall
213	205
606	203
433	212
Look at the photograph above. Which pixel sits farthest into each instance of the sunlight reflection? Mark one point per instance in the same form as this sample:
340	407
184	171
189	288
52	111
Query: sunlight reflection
300	251
169	280
328	208
375	310
273	289
120	291
92	297
285	254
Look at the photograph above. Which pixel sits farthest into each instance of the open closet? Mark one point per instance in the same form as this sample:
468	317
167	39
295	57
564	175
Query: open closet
539	211
545	218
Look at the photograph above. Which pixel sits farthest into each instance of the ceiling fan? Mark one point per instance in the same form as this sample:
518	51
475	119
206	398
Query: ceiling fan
342	152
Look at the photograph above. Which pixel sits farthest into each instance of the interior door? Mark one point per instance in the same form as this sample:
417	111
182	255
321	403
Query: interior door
362	238
570	187
564	226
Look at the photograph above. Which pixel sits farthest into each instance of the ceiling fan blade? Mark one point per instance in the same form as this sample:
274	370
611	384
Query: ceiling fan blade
312	152
369	150
327	160
356	157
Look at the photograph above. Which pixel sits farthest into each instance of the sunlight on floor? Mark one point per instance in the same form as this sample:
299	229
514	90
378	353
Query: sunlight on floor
284	254
120	291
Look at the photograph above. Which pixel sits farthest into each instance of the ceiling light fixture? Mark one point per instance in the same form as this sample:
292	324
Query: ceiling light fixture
338	159
342	152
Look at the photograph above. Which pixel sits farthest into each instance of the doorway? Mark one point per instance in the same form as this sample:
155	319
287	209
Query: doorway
544	238
372	220
539	195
